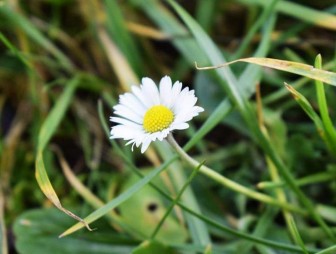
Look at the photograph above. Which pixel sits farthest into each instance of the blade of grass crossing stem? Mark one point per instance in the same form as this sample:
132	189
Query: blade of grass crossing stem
179	194
245	109
287	66
23	23
197	215
119	199
46	132
323	107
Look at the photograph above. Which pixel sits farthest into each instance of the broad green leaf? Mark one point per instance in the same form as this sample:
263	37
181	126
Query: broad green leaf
36	232
119	199
144	210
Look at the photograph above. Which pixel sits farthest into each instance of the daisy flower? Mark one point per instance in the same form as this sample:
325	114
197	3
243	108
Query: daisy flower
149	113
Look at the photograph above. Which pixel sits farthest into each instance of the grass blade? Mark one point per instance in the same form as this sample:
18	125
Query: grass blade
310	15
288	66
328	125
20	21
119	199
179	194
46	132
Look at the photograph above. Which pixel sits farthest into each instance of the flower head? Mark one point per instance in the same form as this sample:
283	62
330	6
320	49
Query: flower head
149	113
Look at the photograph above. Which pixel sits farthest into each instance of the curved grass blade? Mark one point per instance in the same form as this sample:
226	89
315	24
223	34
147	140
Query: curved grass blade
46	132
288	66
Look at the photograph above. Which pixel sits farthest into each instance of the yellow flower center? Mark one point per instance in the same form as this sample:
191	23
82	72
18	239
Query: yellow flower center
157	118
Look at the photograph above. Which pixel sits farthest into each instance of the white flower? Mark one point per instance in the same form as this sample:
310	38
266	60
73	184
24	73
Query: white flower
148	113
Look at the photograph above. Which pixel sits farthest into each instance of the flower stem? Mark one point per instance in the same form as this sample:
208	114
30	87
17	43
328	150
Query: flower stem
231	184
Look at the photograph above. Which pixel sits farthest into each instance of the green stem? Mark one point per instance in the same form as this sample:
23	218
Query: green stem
231	184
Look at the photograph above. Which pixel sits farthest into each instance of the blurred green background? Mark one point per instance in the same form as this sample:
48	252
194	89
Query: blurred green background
74	58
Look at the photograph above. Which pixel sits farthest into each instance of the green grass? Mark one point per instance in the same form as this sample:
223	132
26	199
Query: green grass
254	173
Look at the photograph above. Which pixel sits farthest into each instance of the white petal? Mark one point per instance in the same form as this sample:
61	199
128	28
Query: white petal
186	116
125	132
126	112
126	122
166	91
160	135
140	95
150	91
180	126
134	103
163	134
180	99
176	89
145	144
